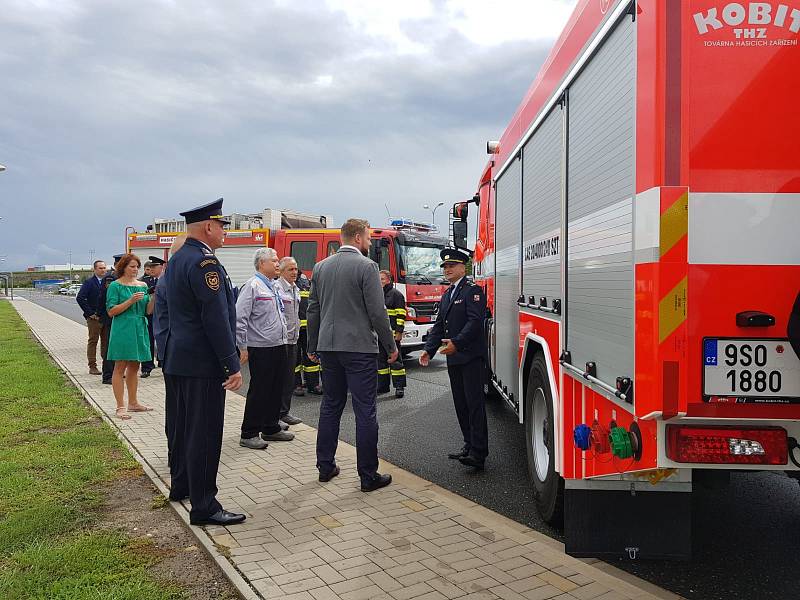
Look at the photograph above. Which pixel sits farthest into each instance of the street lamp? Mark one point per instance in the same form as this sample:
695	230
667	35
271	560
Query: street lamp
128	230
433	210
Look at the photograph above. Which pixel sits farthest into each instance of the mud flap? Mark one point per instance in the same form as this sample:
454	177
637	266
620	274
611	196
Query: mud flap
616	523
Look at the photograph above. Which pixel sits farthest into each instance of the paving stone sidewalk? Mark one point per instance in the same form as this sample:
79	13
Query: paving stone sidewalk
304	540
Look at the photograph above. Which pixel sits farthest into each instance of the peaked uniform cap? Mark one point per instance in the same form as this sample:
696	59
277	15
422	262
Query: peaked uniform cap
156	261
212	210
453	255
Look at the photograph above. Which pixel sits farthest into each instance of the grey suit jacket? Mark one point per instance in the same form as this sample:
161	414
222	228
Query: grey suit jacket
346	312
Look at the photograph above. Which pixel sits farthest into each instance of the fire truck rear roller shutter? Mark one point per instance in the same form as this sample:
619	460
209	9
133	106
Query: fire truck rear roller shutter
506	312
601	184
238	262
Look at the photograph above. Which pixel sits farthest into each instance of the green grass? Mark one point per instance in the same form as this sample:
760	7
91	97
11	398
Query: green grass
55	457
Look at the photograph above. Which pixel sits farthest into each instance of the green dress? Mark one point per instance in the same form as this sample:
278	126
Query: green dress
129	338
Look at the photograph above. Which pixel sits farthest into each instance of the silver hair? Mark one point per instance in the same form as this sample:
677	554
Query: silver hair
263	254
285	262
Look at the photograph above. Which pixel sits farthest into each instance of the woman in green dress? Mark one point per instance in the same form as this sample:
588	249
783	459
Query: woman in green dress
128	302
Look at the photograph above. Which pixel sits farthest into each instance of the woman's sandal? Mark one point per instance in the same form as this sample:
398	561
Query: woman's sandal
139	408
123	414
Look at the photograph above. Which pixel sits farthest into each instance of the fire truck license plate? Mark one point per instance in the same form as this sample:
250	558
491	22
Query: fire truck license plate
765	370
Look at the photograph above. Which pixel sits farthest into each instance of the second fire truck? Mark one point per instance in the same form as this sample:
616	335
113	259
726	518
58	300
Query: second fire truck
407	249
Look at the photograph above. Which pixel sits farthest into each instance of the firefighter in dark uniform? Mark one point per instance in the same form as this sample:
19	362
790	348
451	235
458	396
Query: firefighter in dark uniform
105	318
202	359
305	369
151	279
396	309
458	334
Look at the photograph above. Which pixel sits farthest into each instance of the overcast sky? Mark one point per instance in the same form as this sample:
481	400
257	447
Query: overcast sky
113	113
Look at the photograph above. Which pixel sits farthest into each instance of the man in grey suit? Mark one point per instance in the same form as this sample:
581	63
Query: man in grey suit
346	321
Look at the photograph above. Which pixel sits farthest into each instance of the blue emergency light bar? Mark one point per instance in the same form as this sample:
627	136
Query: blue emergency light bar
414	225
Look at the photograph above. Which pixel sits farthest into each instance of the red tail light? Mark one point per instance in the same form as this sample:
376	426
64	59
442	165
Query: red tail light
727	445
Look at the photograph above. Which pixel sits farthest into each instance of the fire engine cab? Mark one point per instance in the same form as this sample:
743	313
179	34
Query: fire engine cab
407	249
637	237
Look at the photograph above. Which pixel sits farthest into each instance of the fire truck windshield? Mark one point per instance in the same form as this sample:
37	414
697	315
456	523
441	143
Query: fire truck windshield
421	261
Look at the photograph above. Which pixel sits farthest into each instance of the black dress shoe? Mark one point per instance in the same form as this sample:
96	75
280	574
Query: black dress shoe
399	393
221	517
315	391
107	381
328	476
460	454
178	497
471	461
377	483
299	391
145	374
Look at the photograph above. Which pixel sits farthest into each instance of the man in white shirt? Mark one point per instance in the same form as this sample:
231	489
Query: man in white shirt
261	337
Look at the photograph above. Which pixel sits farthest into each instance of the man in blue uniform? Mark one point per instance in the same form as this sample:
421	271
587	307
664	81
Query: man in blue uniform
105	318
458	334
201	357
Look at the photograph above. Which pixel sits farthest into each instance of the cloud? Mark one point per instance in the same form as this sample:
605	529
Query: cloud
121	112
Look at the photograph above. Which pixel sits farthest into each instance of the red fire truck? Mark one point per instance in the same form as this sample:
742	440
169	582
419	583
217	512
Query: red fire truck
409	250
637	237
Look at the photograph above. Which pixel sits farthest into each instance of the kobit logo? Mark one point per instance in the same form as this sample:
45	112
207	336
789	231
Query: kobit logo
748	19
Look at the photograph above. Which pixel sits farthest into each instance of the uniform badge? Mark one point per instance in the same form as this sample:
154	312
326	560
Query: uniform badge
476	298
212	280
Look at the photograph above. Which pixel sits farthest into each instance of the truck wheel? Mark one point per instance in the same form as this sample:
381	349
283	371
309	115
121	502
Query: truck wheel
548	486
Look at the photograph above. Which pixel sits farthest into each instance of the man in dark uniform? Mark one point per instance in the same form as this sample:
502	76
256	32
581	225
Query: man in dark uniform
105	318
201	357
305	368
459	332
396	309
151	276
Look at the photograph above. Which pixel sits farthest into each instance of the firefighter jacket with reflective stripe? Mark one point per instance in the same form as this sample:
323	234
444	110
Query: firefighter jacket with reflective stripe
395	307
304	287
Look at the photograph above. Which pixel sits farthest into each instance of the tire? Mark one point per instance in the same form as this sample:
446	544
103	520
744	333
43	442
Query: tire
548	486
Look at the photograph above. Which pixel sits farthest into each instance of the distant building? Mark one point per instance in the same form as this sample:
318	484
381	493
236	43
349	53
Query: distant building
64	267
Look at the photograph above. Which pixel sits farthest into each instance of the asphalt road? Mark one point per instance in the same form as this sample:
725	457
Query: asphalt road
745	536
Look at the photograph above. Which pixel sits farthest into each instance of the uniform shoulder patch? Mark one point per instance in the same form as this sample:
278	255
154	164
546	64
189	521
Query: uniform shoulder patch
476	298
212	280
208	261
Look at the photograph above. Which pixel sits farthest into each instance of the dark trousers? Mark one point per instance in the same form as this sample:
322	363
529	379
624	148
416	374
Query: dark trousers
466	382
288	382
262	408
108	365
170	411
356	372
396	370
306	369
197	442
149	365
